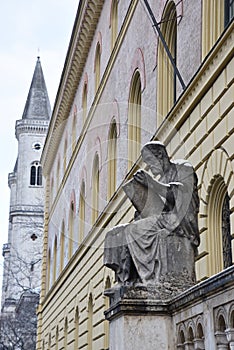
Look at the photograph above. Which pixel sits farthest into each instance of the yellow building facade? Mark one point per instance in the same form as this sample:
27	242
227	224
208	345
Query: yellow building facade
119	90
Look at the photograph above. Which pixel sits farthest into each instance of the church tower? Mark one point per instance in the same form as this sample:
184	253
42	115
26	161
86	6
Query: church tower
23	251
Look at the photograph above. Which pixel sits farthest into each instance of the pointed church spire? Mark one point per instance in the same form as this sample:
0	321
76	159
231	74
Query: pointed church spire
37	104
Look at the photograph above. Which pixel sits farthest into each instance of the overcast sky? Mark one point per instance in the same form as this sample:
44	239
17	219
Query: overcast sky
28	29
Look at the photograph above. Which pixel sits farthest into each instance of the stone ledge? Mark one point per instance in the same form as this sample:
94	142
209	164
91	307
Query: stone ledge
137	307
143	300
204	289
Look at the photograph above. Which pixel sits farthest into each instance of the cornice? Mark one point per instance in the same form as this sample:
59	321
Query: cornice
84	28
94	105
28	126
27	210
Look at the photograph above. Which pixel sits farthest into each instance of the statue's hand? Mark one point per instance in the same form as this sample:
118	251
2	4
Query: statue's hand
143	178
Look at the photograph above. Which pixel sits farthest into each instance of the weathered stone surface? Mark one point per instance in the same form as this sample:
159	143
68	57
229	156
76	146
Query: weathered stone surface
158	249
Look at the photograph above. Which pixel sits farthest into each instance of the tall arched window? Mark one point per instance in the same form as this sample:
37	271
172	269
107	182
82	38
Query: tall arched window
95	189
56	338
90	322
82	213
48	271
166	77
84	102
65	333
134	119
74	129
228	11
55	260
65	157
62	242
219	233
71	230
52	191
112	169
97	66
76	329
36	174
58	174
106	325
216	16
212	23
114	22
49	342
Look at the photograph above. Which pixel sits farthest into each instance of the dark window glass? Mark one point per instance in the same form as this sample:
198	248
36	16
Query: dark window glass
228	11
33	176
36	174
226	233
39	176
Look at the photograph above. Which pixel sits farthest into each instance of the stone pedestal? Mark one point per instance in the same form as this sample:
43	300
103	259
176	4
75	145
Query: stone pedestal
139	323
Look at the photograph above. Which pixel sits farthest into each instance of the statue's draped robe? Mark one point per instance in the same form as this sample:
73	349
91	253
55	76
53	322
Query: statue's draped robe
140	240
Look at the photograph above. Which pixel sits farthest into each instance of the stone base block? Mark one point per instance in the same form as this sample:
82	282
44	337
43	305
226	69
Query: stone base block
144	332
140	325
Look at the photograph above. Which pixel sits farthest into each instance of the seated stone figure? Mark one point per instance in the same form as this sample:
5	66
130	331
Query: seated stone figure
160	245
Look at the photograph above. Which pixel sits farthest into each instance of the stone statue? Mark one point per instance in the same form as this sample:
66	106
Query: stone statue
158	248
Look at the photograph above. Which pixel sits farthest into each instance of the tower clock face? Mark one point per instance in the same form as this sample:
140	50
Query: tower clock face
37	146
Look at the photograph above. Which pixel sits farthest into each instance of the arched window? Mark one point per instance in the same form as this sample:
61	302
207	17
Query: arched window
190	334
56	338
82	213
49	342
74	129
36	174
219	233
228	11
48	271
65	333
58	174
76	329
65	157
95	189
62	242
199	337
134	119
181	340
166	77
106	324
114	22
84	102
226	232
71	229
97	66
90	322
221	326
52	191
200	333
216	16
55	260
112	169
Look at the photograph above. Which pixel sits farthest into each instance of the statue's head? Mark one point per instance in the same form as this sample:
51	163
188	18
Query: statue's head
154	154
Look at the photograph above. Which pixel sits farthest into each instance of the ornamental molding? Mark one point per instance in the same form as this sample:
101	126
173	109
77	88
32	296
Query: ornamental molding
26	210
83	32
24	126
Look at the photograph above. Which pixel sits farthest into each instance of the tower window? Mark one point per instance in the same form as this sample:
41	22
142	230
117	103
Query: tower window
36	174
